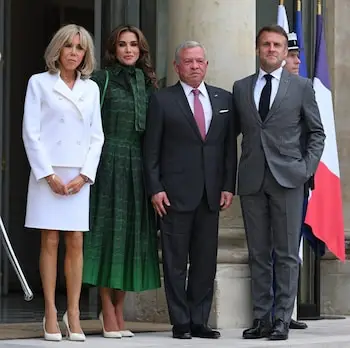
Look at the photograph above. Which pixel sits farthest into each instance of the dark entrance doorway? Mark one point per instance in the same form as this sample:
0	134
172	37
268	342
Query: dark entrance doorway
29	26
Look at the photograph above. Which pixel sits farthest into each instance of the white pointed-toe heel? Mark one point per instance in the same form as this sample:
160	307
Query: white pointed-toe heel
108	334
126	333
57	336
72	336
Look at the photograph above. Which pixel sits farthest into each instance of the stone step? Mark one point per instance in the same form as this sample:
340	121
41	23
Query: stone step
320	334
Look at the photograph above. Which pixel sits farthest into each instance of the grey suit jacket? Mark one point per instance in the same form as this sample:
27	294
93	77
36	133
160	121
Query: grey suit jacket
279	140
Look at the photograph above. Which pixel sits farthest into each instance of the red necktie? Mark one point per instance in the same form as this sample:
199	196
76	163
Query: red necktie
199	113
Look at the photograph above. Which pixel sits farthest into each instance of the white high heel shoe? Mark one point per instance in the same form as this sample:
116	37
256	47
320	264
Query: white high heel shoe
57	336
126	333
72	336
109	334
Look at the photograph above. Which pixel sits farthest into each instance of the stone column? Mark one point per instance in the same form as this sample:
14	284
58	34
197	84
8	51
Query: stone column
335	280
227	29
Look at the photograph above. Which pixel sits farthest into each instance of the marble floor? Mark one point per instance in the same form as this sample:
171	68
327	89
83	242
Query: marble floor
320	334
22	320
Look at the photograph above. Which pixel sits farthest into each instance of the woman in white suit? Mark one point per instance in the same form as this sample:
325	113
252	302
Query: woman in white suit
63	138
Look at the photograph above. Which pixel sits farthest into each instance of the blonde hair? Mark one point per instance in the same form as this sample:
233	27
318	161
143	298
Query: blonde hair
61	38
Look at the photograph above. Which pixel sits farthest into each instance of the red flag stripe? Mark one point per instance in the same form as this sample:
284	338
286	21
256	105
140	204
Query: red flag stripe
325	211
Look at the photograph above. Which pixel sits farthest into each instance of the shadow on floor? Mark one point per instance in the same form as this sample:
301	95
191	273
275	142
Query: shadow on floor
21	319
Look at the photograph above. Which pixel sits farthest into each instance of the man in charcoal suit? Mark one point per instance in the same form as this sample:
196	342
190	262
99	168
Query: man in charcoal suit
190	168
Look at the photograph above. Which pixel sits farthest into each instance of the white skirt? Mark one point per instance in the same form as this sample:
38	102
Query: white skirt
50	211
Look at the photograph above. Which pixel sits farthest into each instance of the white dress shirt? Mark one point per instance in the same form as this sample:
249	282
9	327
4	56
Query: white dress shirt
261	81
203	97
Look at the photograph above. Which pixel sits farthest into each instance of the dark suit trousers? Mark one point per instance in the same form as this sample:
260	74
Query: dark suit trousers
272	219
189	236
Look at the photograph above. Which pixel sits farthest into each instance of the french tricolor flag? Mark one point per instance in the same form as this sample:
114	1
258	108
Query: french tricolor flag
325	208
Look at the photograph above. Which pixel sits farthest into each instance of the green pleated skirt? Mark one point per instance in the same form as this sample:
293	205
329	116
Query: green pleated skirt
121	248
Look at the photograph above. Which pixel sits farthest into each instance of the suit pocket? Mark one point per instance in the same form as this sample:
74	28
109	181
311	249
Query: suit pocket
295	153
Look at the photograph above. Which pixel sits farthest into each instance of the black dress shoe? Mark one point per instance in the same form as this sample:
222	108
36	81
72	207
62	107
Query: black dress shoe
279	331
203	331
181	332
297	325
182	335
261	328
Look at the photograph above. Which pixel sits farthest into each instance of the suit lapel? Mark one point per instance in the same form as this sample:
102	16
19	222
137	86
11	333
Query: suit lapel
75	96
181	99
214	101
250	94
281	92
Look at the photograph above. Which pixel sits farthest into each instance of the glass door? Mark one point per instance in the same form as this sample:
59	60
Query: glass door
4	134
2	77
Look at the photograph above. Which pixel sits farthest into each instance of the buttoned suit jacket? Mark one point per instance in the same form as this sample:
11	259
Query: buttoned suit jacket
62	127
278	140
176	158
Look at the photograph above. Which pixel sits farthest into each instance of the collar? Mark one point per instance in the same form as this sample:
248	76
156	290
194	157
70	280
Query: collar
77	72
276	73
188	89
117	68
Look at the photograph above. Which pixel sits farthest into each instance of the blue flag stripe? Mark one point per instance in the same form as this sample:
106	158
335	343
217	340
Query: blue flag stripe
321	63
300	36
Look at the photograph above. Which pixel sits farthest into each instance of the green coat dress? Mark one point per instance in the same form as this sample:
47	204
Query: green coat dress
120	251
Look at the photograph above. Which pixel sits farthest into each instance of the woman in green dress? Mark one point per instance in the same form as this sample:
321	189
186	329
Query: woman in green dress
120	251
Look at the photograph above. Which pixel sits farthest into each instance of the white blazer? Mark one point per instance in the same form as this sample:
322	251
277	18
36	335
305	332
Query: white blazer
62	126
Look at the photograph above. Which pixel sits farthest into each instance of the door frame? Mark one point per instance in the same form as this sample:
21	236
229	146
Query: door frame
4	127
2	73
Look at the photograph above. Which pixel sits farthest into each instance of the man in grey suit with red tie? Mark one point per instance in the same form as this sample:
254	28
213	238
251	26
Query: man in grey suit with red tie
275	110
190	167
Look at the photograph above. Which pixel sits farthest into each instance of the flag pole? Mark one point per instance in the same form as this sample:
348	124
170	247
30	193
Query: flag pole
317	264
298	5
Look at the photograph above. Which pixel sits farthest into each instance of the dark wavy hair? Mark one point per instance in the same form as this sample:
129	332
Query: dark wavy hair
144	62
